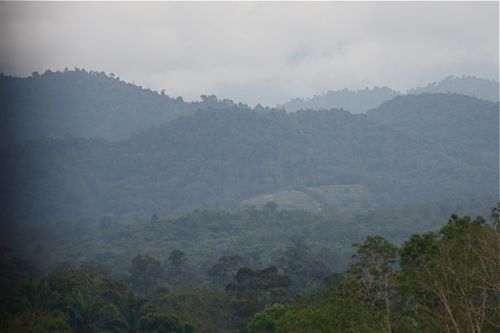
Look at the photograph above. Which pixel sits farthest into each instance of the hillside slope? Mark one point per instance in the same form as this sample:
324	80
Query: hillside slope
416	147
85	104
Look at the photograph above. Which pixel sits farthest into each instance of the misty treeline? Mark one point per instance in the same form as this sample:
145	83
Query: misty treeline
95	104
436	281
357	101
206	235
89	104
217	154
126	210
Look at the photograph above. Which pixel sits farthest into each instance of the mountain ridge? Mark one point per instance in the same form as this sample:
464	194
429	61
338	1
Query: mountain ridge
362	100
94	104
218	157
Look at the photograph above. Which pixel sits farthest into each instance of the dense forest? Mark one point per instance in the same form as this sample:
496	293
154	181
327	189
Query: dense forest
411	148
88	104
126	210
436	281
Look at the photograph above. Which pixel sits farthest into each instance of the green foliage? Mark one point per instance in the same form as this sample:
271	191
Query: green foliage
146	273
207	309
177	260
252	291
64	281
450	285
15	274
259	237
40	322
444	281
165	323
417	249
35	296
301	266
268	320
370	278
223	272
87	311
26	300
411	148
132	310
374	264
333	313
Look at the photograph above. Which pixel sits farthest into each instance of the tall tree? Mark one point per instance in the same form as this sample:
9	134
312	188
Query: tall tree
146	273
252	290
87	311
371	277
132	309
454	274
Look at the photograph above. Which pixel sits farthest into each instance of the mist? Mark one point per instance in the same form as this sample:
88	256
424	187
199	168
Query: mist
263	53
249	167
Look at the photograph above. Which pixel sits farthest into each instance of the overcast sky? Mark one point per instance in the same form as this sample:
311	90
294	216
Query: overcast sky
254	52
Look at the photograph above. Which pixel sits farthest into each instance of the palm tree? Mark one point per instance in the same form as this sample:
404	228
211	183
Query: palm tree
86	311
34	296
33	300
132	308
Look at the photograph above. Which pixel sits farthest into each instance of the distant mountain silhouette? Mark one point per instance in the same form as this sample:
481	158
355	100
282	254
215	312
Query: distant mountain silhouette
357	101
354	101
464	85
87	104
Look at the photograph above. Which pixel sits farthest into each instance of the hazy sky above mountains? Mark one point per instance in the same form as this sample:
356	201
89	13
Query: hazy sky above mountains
254	52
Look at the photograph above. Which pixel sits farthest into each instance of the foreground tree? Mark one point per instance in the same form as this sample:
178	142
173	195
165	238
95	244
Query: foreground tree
87	311
252	291
132	309
332	312
34	314
371	277
450	278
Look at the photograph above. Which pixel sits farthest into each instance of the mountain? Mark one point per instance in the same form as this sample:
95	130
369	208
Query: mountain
88	104
425	147
92	104
448	122
464	85
355	101
358	101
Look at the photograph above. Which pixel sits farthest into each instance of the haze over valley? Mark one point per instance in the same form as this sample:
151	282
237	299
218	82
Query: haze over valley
249	167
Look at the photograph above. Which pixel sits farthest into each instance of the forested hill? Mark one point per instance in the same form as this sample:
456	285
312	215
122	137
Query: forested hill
449	122
355	101
359	101
414	148
465	85
87	104
93	104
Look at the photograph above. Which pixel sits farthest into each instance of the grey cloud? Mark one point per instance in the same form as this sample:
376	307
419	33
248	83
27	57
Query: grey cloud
254	52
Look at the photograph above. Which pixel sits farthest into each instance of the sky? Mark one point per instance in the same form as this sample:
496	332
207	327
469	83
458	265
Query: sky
254	52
